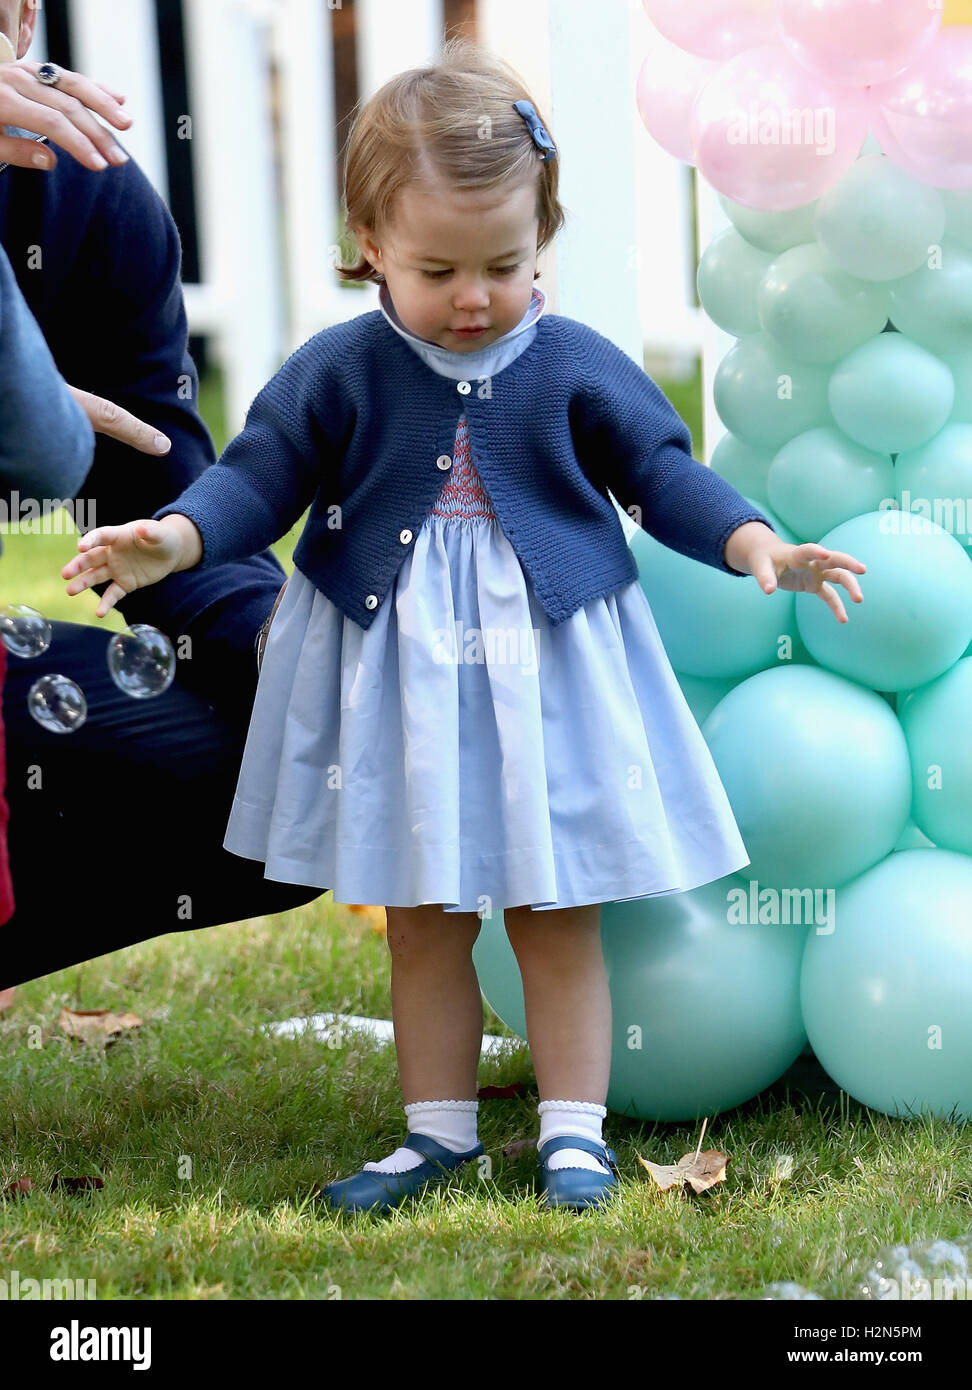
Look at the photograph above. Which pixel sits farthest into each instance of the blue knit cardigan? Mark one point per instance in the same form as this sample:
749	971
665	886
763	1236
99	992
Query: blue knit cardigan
357	427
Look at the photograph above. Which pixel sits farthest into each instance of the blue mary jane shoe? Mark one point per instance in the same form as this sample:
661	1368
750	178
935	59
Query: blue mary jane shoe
576	1188
371	1191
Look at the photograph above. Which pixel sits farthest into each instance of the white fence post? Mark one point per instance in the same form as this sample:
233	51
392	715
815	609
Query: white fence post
311	192
118	45
391	38
239	301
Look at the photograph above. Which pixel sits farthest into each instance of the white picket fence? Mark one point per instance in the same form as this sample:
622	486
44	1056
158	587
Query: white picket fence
268	205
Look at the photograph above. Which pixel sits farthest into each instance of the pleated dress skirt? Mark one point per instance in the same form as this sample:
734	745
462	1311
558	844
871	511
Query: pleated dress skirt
464	751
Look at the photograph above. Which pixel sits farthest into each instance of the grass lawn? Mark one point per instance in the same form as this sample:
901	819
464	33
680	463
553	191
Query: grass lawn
209	1136
261	1119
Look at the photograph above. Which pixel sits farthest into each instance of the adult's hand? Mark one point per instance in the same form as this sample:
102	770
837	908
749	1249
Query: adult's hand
107	418
63	113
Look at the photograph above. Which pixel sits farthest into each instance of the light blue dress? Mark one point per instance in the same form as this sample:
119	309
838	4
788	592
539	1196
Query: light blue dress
464	751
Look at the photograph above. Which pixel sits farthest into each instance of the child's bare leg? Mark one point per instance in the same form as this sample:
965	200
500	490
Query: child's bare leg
437	1007
568	1003
568	1015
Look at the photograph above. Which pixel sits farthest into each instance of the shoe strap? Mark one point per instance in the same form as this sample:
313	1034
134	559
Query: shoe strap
428	1147
570	1141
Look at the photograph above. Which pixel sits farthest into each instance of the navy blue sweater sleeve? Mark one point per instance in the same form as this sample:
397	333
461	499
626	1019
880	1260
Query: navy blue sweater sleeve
268	475
46	443
634	441
125	282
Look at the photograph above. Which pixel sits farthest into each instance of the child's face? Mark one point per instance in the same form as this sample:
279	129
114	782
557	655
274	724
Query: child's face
454	260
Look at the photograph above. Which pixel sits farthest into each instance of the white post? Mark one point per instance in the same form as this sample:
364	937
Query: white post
119	45
312	197
38	50
232	146
393	37
593	102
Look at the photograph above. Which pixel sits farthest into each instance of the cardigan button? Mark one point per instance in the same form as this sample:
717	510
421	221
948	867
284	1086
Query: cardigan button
443	462
405	536
464	388
371	601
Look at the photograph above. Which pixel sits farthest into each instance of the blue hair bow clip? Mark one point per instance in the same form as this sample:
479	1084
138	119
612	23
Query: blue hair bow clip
541	139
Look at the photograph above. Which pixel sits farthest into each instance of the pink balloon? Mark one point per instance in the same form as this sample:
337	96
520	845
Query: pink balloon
857	42
923	119
714	28
668	83
770	135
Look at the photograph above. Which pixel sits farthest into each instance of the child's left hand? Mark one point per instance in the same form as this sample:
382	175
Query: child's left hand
806	569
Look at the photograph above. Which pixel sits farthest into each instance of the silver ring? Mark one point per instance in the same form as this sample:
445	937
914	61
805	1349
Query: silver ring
50	74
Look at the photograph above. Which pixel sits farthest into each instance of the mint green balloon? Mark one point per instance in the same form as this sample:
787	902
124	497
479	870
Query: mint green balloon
771	231
933	305
684	977
703	693
813	309
960	365
877	221
936	723
958	215
712	623
765	396
913	838
916	617
499	974
705	1001
891	394
742	466
729	274
936	481
886	996
822	478
817	773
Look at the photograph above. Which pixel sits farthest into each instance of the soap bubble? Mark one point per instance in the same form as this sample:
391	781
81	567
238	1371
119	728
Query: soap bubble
141	661
24	631
940	1258
894	1274
57	704
787	1289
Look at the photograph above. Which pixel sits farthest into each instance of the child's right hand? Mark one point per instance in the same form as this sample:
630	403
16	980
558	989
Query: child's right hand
132	556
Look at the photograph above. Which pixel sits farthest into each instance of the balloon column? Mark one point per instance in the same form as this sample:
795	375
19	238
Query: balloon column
845	274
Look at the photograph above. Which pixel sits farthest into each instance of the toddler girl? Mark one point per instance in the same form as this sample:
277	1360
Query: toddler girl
464	704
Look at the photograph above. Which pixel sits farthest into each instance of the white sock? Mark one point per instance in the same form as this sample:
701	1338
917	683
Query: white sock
579	1118
450	1122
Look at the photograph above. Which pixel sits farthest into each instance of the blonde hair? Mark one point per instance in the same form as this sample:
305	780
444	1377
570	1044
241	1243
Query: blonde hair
453	122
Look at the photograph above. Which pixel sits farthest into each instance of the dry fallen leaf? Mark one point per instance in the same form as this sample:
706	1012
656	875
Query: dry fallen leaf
518	1147
20	1188
516	1088
72	1185
90	1024
375	915
700	1170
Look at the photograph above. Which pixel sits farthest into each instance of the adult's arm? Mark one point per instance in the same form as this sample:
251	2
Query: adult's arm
46	442
109	299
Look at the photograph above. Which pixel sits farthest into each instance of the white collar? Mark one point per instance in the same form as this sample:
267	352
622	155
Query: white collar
462	364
